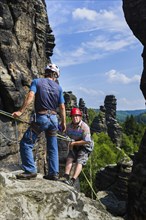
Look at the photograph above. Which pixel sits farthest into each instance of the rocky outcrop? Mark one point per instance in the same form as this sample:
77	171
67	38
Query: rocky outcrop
26	44
135	15
98	124
135	12
42	199
114	130
113	179
84	110
137	186
70	100
106	120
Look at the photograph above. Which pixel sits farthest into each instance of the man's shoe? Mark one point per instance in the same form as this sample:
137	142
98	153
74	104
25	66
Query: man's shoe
26	175
54	177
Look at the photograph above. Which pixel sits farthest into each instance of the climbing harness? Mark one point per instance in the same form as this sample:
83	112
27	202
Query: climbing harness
7	114
33	125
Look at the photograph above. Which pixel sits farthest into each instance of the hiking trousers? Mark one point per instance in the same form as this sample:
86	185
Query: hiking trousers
49	124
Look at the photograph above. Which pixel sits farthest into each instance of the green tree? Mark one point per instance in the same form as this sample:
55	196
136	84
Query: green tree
129	125
133	130
127	145
104	153
92	114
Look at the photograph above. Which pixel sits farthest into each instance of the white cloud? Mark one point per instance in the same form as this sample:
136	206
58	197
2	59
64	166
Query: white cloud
107	33
107	43
91	20
84	13
91	92
114	76
78	56
129	104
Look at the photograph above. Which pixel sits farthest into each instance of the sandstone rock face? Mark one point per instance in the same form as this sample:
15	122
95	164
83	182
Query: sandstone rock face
26	44
135	12
70	100
98	124
114	130
106	120
42	199
137	186
84	110
113	179
135	15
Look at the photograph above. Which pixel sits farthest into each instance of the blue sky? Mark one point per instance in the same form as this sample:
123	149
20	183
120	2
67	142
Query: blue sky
96	52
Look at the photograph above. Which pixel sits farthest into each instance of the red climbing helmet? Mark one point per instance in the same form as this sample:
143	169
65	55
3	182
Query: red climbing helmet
75	111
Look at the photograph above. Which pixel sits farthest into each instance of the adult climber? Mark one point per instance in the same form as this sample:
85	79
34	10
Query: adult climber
48	96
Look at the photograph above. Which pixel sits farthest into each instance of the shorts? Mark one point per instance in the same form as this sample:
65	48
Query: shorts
79	155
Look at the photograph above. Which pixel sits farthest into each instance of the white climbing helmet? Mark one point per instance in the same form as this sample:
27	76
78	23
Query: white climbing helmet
53	67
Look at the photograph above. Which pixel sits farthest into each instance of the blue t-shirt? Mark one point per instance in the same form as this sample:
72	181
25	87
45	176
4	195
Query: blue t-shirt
48	94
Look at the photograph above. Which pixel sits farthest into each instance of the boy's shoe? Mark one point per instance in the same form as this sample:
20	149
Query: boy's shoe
65	177
26	175
69	182
54	177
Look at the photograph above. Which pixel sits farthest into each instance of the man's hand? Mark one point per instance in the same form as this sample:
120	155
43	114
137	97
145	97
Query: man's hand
29	98
63	127
17	114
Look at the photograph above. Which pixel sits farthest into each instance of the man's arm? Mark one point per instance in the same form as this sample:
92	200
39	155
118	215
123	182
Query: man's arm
29	98
63	116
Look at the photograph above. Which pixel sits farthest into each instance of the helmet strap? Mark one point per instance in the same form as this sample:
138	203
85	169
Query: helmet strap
54	75
51	74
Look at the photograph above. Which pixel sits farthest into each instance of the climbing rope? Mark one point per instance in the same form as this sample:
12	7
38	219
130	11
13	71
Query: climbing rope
13	141
59	136
92	189
10	116
16	134
65	138
89	184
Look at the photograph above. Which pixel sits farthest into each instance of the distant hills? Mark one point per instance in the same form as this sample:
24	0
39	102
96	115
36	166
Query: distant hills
122	114
140	115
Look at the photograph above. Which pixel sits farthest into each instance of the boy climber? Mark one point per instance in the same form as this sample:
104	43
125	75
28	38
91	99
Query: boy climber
80	148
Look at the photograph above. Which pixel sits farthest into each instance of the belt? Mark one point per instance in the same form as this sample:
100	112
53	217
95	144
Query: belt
45	112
